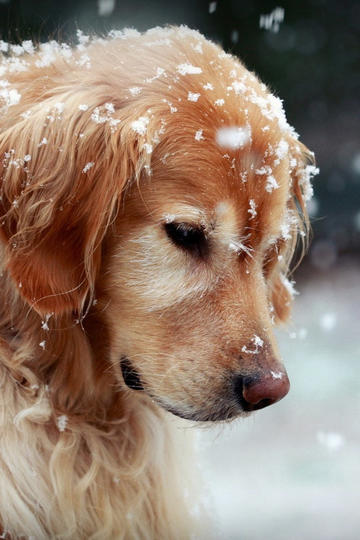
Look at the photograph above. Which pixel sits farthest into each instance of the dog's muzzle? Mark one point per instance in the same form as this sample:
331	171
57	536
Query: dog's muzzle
130	375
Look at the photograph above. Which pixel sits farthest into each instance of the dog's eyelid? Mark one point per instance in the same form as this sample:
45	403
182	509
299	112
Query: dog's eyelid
185	228
186	225
188	236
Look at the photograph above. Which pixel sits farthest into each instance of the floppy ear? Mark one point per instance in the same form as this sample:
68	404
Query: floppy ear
62	173
296	230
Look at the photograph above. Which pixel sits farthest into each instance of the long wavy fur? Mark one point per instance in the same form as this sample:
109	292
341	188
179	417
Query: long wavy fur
80	457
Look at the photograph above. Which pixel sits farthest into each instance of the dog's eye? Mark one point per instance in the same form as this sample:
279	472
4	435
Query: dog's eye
188	237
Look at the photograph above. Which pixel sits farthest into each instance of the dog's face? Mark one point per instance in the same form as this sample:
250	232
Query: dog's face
182	221
190	282
189	303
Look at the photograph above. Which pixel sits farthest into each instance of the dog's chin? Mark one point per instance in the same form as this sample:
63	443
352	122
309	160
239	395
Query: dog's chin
215	415
133	381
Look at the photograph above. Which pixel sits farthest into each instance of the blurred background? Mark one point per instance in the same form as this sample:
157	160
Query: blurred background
292	471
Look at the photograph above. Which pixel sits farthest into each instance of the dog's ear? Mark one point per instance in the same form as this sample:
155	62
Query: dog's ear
292	247
63	169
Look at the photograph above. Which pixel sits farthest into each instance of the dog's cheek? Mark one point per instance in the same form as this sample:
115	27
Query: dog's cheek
150	273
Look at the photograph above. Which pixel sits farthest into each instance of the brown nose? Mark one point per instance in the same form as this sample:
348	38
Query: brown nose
260	390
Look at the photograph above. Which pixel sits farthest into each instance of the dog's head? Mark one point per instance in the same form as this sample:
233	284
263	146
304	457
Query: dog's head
166	182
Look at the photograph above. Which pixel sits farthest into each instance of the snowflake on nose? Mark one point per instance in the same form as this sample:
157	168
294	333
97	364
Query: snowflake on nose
258	343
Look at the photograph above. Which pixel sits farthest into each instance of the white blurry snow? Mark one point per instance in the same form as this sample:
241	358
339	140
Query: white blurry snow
106	7
212	7
312	207
332	441
357	221
356	163
292	470
199	135
272	20
234	36
61	422
10	97
233	137
192	96
328	321
188	69
88	166
140	125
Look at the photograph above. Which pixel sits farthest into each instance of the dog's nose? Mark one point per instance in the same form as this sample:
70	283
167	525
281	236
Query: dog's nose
260	390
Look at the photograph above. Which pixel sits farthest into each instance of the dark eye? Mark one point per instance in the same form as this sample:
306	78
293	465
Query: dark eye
188	237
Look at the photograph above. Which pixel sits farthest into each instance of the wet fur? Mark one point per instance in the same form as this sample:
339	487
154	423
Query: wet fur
89	275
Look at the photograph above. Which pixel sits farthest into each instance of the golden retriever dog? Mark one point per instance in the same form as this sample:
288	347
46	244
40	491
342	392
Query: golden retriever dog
152	194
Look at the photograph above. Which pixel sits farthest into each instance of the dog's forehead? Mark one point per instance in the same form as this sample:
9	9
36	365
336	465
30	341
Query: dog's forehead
215	133
228	141
248	185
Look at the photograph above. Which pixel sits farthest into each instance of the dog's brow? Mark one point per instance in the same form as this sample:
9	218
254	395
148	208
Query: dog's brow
186	214
226	227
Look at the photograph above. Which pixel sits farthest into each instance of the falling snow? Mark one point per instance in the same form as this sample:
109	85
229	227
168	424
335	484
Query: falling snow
44	324
328	321
281	151
88	166
135	90
106	7
148	148
330	440
289	285
307	175
233	137
212	7
208	86
199	135
276	374
139	125
11	97
252	209
159	72
62	422
271	184
257	342
193	96
188	69
272	20
239	87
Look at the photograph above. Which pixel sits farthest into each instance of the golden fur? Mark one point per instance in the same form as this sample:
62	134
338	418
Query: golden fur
108	142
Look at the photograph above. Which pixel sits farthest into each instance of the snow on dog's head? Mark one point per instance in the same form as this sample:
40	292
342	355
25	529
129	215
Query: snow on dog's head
233	137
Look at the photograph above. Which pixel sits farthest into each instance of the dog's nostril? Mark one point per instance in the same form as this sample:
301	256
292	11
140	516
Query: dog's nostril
263	403
260	390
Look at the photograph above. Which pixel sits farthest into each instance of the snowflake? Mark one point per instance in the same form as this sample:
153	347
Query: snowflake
188	69
61	422
233	137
